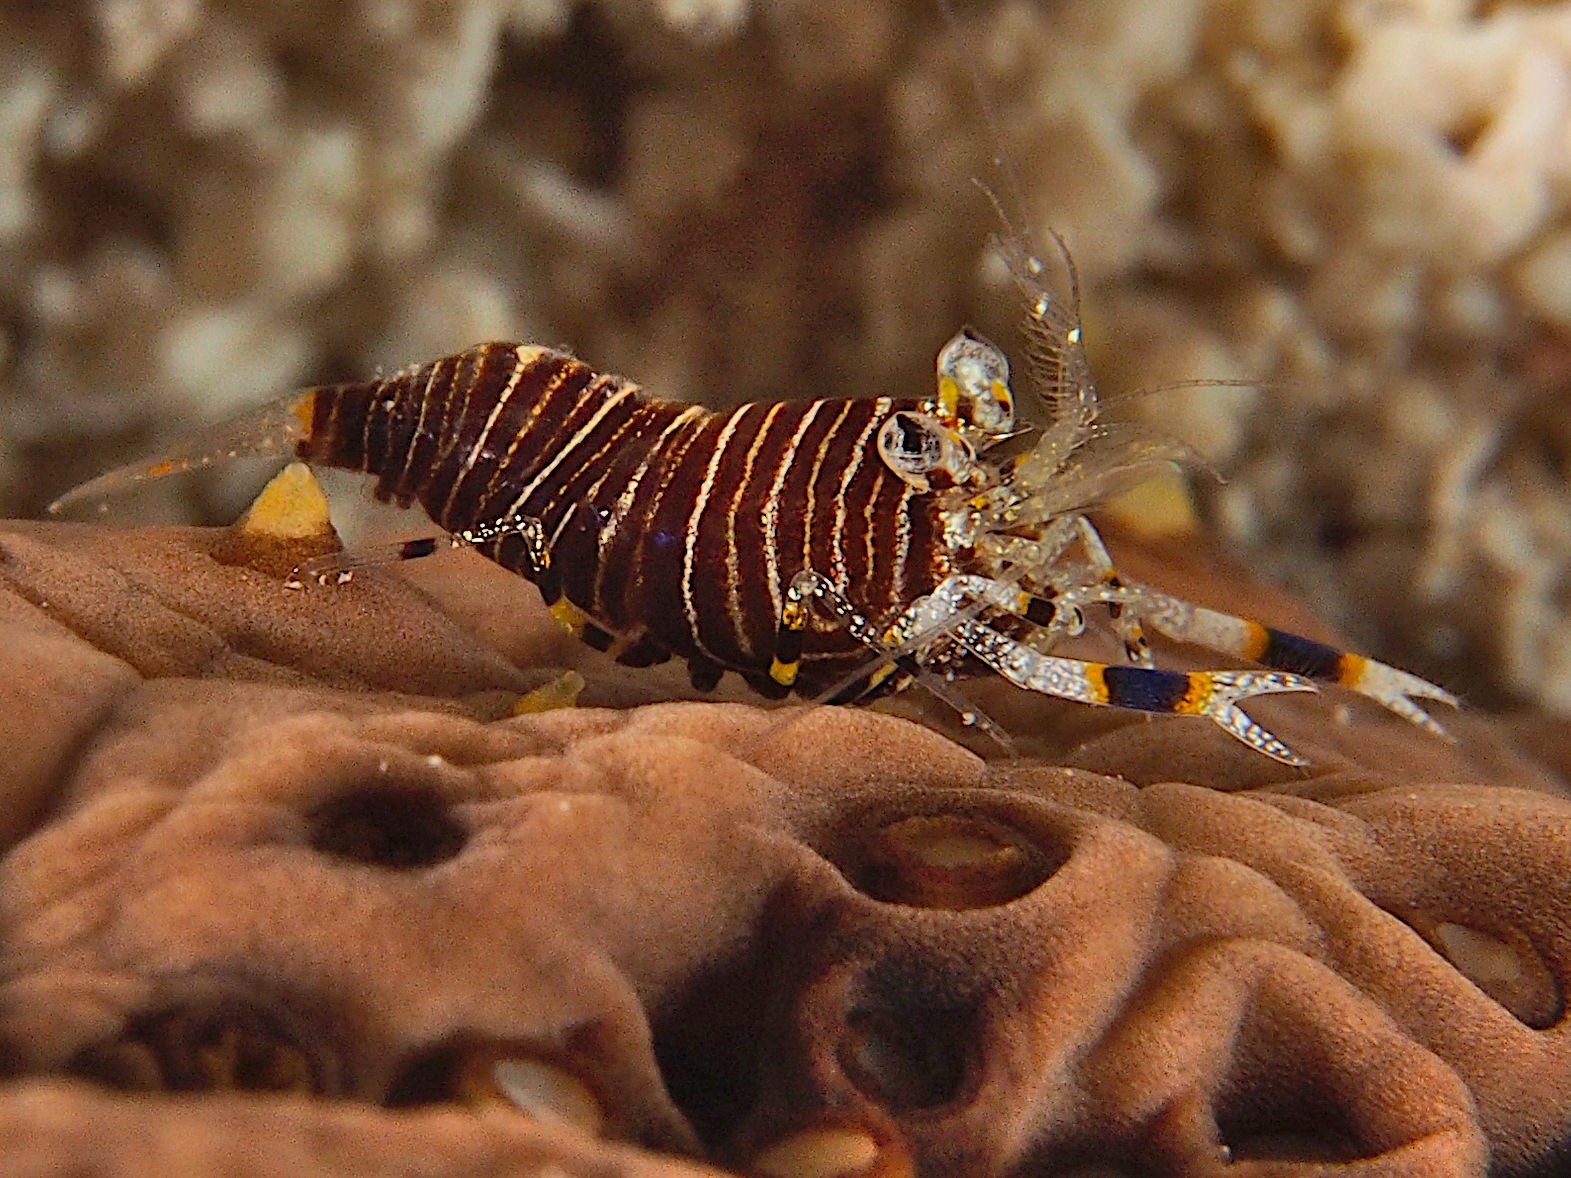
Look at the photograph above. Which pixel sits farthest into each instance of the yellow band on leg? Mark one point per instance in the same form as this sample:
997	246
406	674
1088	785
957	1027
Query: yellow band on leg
569	617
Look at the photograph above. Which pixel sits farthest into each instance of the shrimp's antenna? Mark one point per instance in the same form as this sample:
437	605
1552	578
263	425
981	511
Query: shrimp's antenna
1014	191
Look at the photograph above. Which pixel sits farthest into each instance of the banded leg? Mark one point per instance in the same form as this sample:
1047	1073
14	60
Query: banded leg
339	568
640	650
1186	693
963	596
1096	580
1386	685
1055	613
1127	625
934	617
808	589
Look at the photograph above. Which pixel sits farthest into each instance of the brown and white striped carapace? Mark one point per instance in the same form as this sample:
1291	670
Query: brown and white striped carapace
786	540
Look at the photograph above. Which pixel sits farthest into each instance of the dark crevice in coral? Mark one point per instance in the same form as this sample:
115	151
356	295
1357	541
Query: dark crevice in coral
214	1043
910	1039
1286	1121
1555	1162
908	1067
557	1083
707	1045
1299	1132
1091	1162
813	181
398	828
115	205
585	77
431	1077
1463	137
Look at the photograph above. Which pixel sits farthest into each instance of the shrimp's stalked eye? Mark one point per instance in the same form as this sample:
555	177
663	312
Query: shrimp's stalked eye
914	445
973	387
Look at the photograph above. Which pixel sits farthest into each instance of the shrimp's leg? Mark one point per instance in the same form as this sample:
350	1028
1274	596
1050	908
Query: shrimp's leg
337	568
1131	605
896	654
1127	624
1189	693
1391	688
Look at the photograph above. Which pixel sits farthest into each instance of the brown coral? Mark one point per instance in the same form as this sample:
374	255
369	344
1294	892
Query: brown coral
291	844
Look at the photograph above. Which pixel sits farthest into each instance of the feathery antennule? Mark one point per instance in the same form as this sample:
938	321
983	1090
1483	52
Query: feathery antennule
1055	354
1076	461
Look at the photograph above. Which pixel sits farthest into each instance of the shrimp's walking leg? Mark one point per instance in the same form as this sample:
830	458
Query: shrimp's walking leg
809	589
1127	624
1280	650
1277	649
806	590
340	567
1188	693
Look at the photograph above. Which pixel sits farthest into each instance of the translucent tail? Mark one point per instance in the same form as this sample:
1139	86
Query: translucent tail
272	430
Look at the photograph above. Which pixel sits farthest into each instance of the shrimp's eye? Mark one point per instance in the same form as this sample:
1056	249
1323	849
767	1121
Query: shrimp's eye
913	445
973	386
911	442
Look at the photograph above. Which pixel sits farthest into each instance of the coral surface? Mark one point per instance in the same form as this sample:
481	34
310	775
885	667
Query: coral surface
286	865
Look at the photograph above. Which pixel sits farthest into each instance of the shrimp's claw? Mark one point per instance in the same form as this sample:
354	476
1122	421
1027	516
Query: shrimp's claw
1395	690
1218	693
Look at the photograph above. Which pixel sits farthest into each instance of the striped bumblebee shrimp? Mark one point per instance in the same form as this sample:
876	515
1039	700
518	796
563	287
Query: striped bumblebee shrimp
837	548
846	547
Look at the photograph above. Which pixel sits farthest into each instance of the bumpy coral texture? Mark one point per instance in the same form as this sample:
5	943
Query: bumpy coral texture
269	847
204	203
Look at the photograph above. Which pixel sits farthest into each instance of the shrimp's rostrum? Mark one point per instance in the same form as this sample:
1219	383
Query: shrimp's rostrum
786	541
